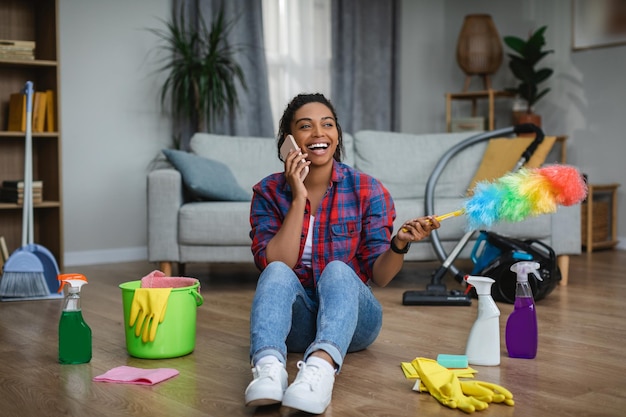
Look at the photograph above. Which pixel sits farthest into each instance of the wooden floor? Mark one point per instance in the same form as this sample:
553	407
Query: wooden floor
580	369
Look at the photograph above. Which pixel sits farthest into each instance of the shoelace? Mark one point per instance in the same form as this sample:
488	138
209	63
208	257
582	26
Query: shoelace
309	374
268	371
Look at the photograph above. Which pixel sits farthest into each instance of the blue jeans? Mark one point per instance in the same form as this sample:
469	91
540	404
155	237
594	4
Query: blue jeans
341	316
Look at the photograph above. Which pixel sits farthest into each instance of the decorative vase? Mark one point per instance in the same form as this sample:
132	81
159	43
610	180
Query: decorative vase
479	48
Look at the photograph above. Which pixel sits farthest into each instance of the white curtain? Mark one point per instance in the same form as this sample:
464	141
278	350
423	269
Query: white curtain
297	37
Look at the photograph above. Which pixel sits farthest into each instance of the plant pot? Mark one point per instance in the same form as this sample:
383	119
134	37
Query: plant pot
525	117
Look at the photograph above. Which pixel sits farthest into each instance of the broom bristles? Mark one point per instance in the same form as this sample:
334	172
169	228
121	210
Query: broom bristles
23	277
23	284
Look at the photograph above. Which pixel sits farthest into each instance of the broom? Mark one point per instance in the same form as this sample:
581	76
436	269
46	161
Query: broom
23	275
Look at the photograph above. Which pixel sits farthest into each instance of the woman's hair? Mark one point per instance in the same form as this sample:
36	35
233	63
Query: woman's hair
298	101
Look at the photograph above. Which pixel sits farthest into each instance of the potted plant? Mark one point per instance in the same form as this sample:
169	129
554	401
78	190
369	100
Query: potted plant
201	69
528	52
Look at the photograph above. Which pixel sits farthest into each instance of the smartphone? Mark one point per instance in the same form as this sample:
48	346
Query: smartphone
288	145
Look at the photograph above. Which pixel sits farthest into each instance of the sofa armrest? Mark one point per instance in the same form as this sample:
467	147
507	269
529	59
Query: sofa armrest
566	230
165	197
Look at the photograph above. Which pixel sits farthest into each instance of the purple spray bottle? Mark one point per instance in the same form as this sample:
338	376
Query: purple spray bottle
521	327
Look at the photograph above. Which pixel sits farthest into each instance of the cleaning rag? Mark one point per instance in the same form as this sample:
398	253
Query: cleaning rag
131	375
157	279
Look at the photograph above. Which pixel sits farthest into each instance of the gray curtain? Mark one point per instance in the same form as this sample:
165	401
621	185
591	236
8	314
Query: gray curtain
254	116
363	84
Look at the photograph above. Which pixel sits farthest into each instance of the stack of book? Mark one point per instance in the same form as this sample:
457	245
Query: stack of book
44	117
10	49
13	192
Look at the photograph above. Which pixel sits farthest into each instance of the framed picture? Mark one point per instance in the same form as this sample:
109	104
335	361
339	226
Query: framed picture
598	23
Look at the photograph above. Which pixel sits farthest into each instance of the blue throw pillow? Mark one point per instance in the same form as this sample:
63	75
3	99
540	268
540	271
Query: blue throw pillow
206	178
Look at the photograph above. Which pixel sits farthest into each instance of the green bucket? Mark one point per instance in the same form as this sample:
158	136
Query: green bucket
176	335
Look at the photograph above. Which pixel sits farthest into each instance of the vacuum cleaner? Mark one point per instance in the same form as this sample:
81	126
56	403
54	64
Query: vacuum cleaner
436	292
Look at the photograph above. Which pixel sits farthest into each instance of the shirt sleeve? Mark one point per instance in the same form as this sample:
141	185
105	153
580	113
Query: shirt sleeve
378	218
266	218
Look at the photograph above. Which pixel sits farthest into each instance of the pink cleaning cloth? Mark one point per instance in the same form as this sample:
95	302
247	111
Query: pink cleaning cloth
157	279
130	375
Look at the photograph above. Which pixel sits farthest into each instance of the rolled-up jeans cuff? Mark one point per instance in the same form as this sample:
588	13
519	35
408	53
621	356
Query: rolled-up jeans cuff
267	352
328	348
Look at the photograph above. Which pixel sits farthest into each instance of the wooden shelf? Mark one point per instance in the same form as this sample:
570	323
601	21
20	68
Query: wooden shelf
43	204
490	95
32	20
28	63
10	134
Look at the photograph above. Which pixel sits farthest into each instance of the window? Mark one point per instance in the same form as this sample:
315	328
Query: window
298	49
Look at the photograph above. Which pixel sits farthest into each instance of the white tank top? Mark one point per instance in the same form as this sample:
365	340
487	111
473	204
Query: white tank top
308	244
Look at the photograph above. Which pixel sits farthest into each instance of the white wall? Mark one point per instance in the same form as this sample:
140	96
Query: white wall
112	125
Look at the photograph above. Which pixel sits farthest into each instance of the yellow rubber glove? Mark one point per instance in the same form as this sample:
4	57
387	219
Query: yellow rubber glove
148	310
487	392
444	385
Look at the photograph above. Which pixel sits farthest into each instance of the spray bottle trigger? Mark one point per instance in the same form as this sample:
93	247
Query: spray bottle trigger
538	276
71	279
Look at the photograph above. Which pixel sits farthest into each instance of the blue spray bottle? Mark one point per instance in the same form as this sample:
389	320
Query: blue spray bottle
522	334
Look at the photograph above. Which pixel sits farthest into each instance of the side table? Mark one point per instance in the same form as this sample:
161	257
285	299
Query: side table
599	217
474	96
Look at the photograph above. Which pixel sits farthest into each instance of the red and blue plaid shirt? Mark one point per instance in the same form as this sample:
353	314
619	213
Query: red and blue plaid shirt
353	223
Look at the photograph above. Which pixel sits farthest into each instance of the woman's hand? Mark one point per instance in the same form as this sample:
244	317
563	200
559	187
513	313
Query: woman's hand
295	164
417	229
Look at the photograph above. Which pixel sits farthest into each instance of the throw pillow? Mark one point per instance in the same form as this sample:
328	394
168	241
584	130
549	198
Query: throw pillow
206	178
502	154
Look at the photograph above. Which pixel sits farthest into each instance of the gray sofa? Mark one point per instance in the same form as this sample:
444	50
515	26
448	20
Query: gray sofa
181	230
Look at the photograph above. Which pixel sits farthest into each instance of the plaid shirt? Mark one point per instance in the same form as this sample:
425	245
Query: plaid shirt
353	223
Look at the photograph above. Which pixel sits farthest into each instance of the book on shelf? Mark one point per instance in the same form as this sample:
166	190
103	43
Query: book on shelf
13	191
51	117
17	112
39	111
17	197
43	116
19	184
12	49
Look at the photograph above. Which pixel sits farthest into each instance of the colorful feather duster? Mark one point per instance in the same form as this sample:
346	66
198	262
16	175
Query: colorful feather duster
521	194
527	192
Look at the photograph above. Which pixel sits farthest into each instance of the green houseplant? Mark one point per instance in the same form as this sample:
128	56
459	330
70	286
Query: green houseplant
528	52
201	69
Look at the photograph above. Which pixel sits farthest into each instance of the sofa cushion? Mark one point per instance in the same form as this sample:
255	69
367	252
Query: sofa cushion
206	178
249	158
214	223
502	155
403	162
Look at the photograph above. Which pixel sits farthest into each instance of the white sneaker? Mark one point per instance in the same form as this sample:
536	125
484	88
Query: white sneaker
268	385
312	389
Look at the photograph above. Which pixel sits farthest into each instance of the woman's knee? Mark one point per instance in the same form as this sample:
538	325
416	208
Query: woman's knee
338	273
277	272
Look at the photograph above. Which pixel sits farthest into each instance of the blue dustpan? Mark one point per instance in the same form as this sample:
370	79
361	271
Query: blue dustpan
49	263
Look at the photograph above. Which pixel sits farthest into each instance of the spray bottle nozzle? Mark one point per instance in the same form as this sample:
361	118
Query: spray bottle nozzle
522	269
74	281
